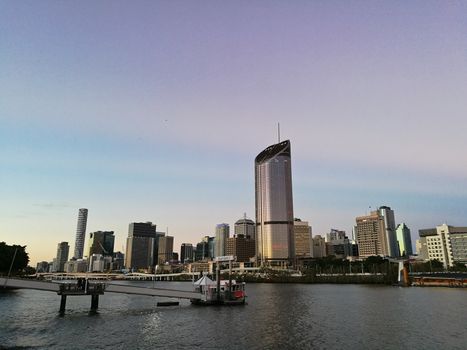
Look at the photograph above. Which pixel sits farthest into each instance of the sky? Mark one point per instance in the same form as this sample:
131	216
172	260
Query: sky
155	111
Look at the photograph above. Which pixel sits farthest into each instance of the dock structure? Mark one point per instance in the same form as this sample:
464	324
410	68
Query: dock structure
82	287
94	289
439	281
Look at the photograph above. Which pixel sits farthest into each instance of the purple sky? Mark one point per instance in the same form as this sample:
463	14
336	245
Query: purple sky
155	110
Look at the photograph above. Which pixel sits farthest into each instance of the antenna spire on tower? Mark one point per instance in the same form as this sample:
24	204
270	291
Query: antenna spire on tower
278	132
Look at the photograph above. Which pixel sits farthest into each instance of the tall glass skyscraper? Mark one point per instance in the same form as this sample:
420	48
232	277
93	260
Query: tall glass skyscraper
222	234
142	246
404	240
274	206
390	237
80	233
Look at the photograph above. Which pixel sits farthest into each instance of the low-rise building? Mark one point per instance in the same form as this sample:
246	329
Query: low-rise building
76	265
42	266
445	243
338	244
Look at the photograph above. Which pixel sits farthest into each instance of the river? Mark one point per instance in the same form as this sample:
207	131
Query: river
277	316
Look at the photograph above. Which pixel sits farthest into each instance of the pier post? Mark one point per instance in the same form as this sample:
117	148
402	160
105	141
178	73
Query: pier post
218	280
62	303
94	302
230	279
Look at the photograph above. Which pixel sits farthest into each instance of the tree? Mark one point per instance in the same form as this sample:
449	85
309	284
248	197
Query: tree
436	264
458	266
7	252
374	264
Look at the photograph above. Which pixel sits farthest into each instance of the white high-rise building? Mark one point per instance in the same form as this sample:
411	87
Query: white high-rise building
80	233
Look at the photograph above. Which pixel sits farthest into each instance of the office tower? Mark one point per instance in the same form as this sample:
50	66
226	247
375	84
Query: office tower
101	242
99	263
419	249
186	253
245	227
222	233
303	243
202	249
335	235
445	243
211	247
42	266
422	248
205	249
390	237
376	233
159	234
243	248
62	256
118	261
404	240
338	244
166	247
141	246
80	233
318	246
369	233
274	206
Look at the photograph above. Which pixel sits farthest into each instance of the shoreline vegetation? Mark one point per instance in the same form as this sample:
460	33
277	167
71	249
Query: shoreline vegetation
305	279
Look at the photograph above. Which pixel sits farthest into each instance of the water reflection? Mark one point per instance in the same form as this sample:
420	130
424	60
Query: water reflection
287	316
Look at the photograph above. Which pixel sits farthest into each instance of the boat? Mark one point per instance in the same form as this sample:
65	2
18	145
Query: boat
222	292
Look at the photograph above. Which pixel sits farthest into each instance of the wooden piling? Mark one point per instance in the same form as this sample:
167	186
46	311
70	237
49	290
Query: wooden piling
62	303
94	302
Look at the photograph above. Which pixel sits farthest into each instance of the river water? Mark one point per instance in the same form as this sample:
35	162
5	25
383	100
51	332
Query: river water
277	316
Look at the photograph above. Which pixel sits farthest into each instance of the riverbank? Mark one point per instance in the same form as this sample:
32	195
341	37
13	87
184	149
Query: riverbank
307	279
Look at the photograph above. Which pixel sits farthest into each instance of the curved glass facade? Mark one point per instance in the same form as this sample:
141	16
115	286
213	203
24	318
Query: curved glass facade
274	206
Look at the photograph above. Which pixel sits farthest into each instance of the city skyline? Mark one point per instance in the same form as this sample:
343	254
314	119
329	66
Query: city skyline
155	111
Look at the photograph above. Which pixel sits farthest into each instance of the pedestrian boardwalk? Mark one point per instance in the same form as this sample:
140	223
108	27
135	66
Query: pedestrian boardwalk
29	284
108	287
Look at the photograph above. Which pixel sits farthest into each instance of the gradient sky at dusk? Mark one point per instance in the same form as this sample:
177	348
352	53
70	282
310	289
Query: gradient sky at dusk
155	110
